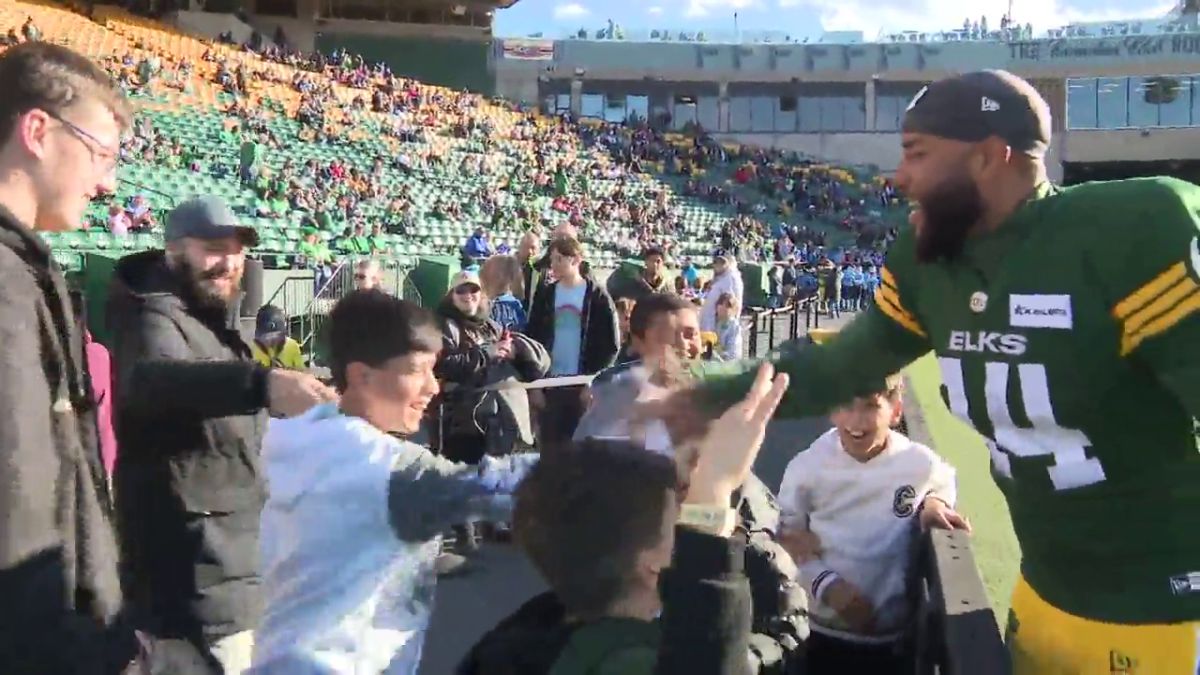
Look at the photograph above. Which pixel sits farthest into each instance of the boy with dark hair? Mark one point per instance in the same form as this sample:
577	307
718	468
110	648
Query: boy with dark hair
851	504
660	325
598	520
575	320
351	527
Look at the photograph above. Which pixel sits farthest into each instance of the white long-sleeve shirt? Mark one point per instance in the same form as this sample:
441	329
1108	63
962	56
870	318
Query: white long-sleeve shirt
865	516
731	282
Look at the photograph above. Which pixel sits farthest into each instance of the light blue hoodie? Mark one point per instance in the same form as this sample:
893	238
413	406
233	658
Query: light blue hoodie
350	532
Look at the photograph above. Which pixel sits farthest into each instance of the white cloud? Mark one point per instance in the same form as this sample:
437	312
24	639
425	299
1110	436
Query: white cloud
701	8
873	17
570	10
655	11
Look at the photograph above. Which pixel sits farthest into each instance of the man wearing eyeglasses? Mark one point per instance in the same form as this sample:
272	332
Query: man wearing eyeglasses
61	121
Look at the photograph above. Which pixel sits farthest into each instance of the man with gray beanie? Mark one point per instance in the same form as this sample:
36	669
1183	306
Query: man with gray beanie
1065	322
191	410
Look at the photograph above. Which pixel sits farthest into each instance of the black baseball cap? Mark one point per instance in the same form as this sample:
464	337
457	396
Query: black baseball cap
206	218
270	323
978	105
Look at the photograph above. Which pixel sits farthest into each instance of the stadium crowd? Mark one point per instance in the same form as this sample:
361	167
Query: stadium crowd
229	539
217	440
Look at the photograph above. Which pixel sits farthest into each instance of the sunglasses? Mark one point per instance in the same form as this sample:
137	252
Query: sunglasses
466	289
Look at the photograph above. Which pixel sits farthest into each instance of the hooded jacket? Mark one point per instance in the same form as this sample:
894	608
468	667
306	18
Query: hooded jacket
190	413
58	564
350	533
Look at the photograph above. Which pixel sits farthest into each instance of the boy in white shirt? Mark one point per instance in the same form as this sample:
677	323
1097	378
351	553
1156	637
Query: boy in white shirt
849	508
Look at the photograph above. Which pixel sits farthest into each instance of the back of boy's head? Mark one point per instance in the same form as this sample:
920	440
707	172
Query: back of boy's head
372	327
652	306
586	512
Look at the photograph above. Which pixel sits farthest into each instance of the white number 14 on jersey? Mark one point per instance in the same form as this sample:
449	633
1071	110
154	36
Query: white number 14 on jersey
1072	467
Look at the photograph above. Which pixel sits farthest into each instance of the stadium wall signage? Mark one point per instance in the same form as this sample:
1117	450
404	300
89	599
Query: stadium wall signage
1127	47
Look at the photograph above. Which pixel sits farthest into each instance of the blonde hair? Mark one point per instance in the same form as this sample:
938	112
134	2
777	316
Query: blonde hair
502	274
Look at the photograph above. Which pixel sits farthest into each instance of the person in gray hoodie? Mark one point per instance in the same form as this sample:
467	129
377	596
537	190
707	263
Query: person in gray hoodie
350	531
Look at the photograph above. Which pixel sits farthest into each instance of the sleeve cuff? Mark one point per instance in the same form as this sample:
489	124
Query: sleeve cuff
702	555
260	386
822	582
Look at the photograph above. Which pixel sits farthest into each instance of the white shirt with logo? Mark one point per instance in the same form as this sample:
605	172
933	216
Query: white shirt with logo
865	514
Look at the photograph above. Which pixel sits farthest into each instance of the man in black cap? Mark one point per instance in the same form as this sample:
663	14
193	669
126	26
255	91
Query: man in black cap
1066	323
190	416
272	346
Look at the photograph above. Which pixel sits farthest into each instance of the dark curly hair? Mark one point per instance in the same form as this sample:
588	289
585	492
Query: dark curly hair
585	513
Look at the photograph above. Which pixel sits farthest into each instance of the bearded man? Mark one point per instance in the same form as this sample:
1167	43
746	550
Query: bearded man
191	413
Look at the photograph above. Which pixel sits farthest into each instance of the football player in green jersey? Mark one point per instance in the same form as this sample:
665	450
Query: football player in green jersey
1067	326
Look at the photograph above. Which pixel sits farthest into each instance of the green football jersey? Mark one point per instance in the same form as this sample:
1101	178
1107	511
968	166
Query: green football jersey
1070	339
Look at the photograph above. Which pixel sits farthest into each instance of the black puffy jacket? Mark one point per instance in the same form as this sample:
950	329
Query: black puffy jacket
190	415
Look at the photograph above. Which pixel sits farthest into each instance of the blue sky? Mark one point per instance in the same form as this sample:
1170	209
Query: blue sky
806	17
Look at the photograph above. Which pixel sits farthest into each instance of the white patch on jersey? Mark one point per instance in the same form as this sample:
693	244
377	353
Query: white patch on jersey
1040	311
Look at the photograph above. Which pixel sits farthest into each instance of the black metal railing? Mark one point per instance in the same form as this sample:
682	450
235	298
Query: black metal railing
770	328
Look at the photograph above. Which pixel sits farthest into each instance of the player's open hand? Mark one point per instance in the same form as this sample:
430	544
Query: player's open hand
937	514
850	604
733	441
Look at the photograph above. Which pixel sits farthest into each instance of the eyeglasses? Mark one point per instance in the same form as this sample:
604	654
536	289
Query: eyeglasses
103	156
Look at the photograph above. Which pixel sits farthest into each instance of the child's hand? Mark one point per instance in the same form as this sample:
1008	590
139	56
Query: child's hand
801	544
851	605
937	514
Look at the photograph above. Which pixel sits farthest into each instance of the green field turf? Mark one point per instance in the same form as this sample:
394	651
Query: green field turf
995	546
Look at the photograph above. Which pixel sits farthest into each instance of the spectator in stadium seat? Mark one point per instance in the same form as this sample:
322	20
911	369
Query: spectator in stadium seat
61	120
350	530
636	589
477	247
191	409
575	320
853	555
119	223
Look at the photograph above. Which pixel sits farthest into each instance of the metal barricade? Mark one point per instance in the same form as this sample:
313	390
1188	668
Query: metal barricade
765	330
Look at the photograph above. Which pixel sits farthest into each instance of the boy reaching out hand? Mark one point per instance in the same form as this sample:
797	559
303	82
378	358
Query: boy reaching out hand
847	508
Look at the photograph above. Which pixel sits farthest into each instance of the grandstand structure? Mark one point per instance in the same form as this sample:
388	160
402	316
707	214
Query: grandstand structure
1123	91
191	110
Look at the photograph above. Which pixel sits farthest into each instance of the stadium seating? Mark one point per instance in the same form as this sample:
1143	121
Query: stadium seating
188	109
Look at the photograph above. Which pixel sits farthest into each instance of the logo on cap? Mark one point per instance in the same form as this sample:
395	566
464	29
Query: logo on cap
916	99
988	105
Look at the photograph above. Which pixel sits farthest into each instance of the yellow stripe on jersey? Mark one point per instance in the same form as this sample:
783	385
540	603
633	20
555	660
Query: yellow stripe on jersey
1157	306
885	275
1164	322
1134	322
1151	290
888	301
